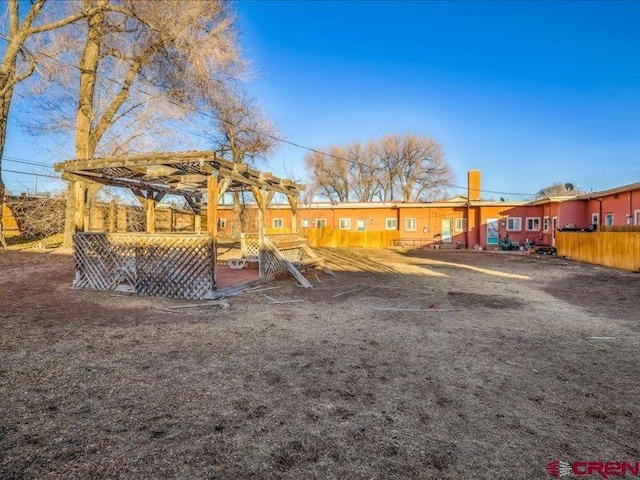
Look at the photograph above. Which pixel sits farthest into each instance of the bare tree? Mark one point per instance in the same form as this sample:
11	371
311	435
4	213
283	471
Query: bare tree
332	173
401	167
365	164
243	129
20	58
142	54
558	189
419	166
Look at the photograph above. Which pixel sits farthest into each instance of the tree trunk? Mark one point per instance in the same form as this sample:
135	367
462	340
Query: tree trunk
85	144
236	226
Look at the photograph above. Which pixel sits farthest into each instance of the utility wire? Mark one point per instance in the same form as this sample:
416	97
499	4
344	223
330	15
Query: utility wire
26	162
32	174
273	137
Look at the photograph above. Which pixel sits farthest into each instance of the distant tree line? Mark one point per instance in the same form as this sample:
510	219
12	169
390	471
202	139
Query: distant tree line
396	167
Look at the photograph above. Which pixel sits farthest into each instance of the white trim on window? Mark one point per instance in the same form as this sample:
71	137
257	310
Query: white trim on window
304	223
545	224
277	223
461	225
595	219
410	224
391	224
361	225
636	216
608	219
514	224
533	224
344	224
321	222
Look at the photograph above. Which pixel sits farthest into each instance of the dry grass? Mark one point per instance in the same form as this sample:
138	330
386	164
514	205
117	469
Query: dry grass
488	371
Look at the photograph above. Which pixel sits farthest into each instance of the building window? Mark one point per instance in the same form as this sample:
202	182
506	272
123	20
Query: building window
222	223
321	223
545	224
277	223
636	215
410	224
533	224
595	219
514	224
608	219
461	224
304	223
391	223
361	225
345	224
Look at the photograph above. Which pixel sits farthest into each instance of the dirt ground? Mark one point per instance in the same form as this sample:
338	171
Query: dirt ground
407	364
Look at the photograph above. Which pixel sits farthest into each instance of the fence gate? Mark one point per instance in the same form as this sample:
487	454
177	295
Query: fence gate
175	266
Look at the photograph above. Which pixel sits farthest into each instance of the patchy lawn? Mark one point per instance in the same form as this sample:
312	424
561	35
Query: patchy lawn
408	364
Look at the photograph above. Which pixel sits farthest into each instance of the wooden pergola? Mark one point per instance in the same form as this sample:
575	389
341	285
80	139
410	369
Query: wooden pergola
195	176
191	175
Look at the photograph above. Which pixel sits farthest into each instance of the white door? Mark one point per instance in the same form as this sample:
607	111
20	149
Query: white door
446	230
492	231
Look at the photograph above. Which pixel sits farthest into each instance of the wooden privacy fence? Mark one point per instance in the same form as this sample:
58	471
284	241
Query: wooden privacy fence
611	249
175	266
325	237
11	228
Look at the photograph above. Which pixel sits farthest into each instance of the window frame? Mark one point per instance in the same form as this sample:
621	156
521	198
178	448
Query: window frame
304	223
595	216
347	222
320	222
364	224
546	223
608	216
392	220
278	219
460	225
222	223
512	229
407	228
533	221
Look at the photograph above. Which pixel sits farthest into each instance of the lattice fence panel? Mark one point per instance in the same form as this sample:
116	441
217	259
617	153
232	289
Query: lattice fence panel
176	266
249	245
272	266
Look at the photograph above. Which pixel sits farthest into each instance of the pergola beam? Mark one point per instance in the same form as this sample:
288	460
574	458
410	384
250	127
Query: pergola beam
165	168
188	174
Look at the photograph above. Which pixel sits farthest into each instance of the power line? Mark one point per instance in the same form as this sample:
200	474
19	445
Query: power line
26	162
273	137
32	174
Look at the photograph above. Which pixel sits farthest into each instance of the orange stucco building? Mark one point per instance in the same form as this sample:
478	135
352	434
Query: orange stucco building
463	221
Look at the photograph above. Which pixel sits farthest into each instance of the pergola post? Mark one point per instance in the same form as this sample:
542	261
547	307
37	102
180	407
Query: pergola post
293	202
263	198
260	200
112	216
79	214
151	213
212	207
212	219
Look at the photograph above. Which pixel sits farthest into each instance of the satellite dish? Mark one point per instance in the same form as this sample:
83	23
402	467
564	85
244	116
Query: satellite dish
569	187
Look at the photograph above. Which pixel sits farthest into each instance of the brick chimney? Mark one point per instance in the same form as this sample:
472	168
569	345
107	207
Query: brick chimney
473	185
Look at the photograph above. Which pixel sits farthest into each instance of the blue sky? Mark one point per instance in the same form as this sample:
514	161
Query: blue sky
528	92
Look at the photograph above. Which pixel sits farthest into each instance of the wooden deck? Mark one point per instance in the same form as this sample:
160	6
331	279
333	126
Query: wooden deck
228	277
